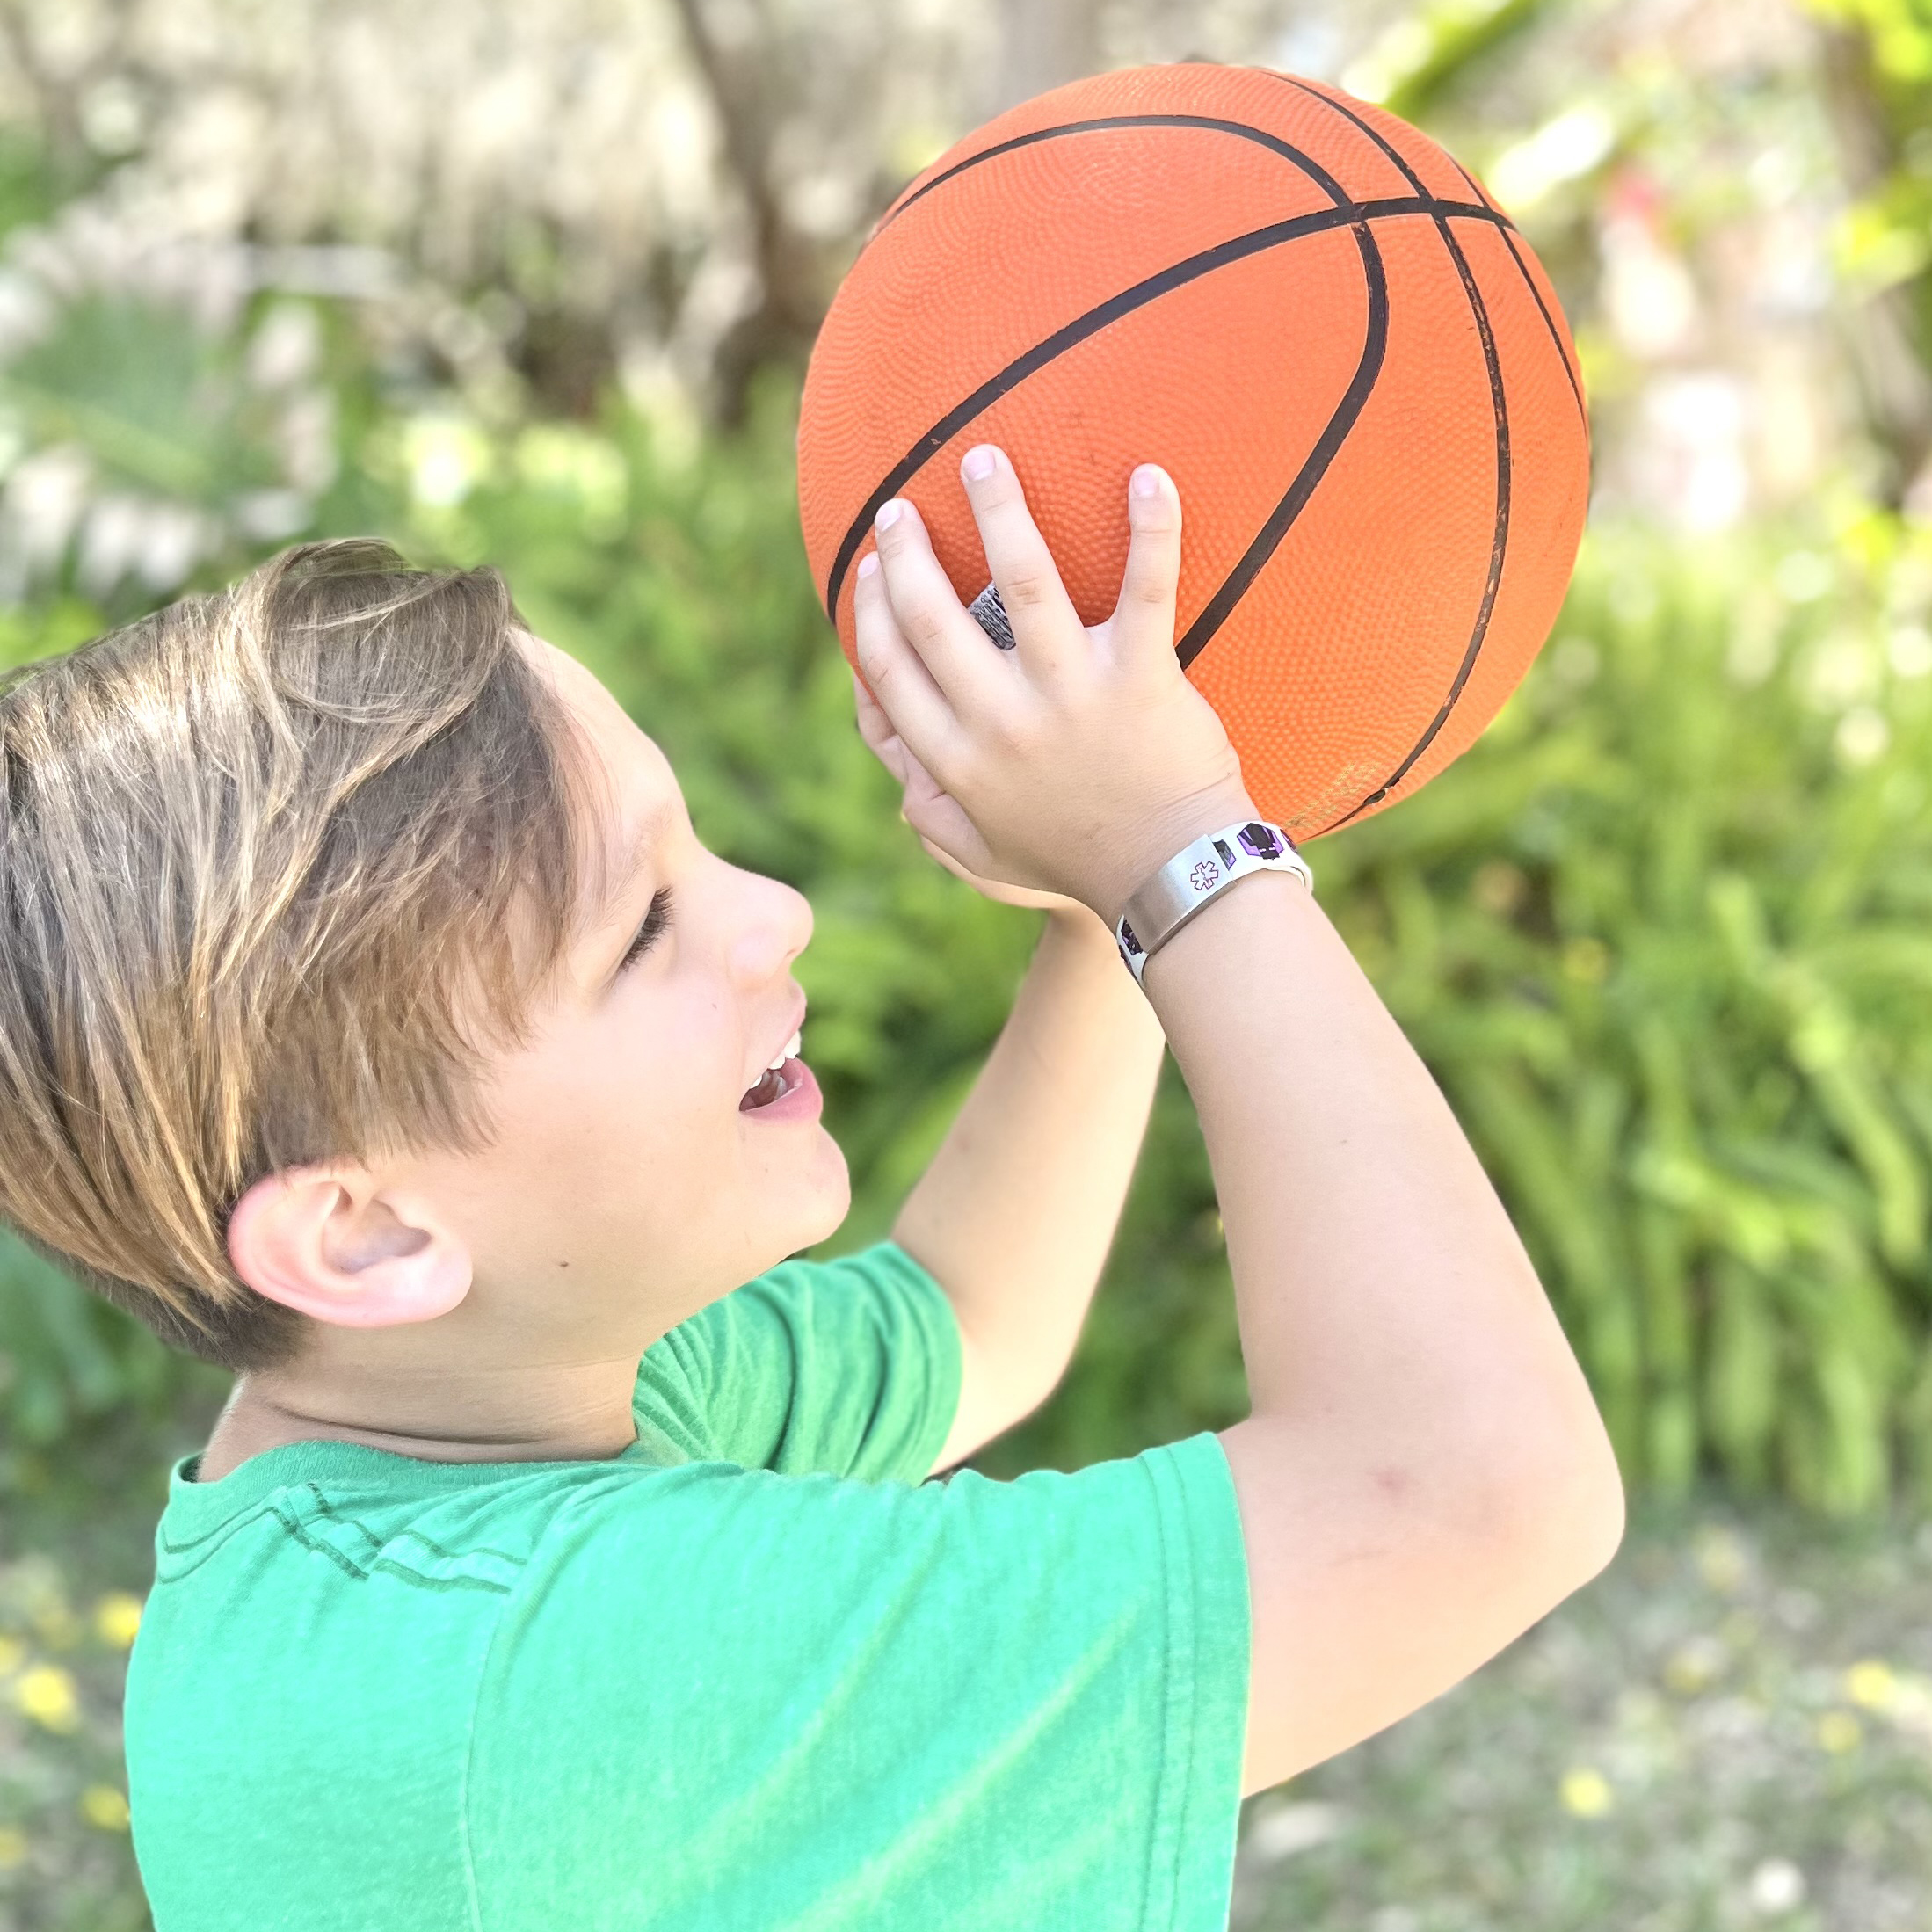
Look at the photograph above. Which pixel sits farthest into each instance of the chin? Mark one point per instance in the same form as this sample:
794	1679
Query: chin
832	1203
838	1198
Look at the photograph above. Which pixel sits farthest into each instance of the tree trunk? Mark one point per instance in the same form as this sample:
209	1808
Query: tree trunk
1042	44
1888	347
791	293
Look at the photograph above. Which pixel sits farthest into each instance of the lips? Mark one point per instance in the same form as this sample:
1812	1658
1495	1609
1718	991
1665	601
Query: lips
778	1076
801	1099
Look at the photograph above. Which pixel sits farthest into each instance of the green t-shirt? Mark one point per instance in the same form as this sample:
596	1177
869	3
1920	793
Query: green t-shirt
752	1675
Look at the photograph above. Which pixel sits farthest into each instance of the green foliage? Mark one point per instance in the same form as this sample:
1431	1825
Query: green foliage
70	1362
1423	55
1661	936
1882	86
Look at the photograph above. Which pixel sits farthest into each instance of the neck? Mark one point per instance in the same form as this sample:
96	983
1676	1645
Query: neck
580	1413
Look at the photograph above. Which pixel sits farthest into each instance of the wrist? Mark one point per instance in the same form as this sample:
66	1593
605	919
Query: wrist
1081	958
1073	925
1203	870
1152	844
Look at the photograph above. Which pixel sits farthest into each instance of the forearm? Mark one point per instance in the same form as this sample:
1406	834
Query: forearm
1380	1286
1016	1214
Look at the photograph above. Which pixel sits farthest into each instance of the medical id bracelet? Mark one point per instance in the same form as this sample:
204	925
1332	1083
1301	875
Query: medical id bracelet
1164	903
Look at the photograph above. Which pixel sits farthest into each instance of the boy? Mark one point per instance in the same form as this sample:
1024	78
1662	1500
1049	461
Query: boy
372	1023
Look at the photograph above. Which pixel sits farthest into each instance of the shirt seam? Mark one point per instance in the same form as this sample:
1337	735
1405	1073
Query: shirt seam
325	1507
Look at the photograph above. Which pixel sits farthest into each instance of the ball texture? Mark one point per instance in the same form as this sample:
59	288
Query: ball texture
1318	323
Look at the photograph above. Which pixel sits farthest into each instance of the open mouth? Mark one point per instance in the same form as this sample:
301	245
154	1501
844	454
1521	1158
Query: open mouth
784	1076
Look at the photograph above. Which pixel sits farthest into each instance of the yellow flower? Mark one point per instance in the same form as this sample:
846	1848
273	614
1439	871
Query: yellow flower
1586	1792
1872	1684
117	1616
1721	1560
105	1807
1694	1666
13	1655
46	1694
13	1847
1839	1732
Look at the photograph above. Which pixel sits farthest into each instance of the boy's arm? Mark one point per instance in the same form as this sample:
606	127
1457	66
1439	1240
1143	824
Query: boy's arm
1015	1214
1424	1474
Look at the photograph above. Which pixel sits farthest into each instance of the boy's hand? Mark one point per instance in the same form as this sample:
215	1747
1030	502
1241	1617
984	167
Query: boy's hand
1075	763
890	750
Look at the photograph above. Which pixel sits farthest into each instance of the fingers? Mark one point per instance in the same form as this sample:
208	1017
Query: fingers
945	831
1044	621
1143	619
949	643
927	806
914	705
877	729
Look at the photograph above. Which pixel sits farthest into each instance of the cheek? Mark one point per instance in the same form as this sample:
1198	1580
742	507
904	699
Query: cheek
614	1136
647	1095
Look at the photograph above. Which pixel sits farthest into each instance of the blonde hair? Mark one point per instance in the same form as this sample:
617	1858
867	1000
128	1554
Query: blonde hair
277	866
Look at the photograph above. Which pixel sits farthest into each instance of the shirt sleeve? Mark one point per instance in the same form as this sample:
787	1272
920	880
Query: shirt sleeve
845	1368
750	1702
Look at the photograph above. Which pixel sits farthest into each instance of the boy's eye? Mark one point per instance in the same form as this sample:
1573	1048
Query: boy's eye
654	922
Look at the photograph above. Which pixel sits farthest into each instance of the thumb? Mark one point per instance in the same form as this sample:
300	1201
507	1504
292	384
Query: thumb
1144	619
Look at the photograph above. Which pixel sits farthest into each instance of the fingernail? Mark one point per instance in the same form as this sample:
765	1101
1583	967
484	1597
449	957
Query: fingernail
869	561
1145	481
888	514
980	463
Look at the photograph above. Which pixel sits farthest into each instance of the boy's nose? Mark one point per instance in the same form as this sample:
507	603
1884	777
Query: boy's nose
779	930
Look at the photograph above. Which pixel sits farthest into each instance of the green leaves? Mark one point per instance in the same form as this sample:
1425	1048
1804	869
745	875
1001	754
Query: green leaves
1664	936
1717	1144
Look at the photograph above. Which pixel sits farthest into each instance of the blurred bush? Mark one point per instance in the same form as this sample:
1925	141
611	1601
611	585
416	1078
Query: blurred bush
1662	937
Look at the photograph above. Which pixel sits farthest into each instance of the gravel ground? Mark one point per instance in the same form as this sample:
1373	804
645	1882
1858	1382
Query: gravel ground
1732	1728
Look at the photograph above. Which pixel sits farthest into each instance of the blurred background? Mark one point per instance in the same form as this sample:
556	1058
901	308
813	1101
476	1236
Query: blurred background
535	285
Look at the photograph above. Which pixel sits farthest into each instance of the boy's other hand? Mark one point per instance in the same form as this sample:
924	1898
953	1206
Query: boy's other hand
890	750
1073	763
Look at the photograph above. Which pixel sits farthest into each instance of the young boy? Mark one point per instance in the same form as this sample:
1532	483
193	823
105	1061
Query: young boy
372	1023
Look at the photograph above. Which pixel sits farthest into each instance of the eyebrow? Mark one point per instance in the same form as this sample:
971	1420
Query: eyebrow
625	867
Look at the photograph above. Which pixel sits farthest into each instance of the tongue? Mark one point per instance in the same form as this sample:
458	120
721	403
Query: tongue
771	1086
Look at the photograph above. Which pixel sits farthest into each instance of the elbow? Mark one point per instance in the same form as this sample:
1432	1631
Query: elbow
1565	1508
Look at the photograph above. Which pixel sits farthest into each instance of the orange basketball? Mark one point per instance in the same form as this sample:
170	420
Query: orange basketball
1335	343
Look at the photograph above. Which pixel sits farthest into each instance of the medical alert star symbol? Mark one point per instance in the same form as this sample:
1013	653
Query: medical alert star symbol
1203	875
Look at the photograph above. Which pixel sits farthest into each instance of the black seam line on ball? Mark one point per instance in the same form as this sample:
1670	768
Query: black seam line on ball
1498	403
1239	248
1211	123
1536	295
1375	343
1111	310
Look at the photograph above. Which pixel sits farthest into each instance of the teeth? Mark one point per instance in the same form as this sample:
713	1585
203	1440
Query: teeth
791	1050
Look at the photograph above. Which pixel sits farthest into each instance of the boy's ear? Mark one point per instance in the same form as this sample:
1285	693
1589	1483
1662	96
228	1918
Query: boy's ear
330	1243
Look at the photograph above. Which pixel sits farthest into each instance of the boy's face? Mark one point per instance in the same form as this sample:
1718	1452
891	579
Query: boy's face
625	1188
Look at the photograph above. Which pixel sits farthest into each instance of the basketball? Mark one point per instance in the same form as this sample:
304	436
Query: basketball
1314	320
